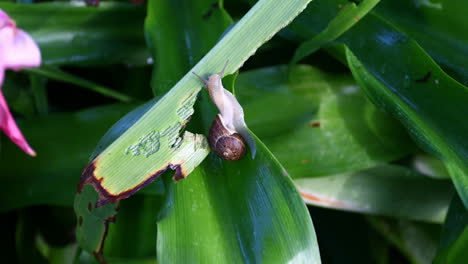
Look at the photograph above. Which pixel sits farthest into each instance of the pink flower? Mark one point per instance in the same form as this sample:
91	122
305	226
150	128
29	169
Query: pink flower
17	50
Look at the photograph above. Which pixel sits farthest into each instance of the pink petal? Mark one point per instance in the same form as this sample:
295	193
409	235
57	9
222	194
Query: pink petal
2	75
4	18
17	49
8	125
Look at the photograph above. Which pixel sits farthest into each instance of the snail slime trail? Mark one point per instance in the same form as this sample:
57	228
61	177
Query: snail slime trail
229	135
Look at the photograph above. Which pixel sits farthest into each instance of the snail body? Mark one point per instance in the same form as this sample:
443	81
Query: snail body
229	135
227	144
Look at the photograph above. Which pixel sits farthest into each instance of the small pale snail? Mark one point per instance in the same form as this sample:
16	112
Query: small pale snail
228	133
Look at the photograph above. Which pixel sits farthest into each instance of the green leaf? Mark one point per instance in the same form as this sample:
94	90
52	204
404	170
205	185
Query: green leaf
408	88
73	33
430	166
439	27
181	45
249	211
86	200
436	129
453	246
349	15
386	190
132	160
325	126
93	222
141	160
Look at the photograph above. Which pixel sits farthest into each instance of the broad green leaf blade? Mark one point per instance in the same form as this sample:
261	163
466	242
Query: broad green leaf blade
453	246
246	208
438	130
409	88
249	211
349	15
325	126
73	33
85	201
181	45
439	27
144	150
387	190
93	222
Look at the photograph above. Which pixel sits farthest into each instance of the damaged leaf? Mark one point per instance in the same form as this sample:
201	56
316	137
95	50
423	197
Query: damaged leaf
189	151
93	222
122	169
152	144
117	172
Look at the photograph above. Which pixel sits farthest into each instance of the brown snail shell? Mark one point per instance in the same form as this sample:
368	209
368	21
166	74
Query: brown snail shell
227	144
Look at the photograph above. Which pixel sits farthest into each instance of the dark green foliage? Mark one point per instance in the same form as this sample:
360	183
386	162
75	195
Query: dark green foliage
374	122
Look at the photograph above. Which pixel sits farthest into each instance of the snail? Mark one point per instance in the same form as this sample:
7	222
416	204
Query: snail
229	135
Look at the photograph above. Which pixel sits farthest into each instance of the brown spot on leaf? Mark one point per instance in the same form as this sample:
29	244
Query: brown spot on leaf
315	124
319	200
179	174
356	18
425	78
80	221
304	161
90	207
211	10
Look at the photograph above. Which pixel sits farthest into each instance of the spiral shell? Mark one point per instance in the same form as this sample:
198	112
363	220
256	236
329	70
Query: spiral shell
227	144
